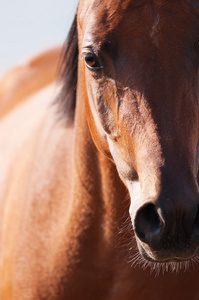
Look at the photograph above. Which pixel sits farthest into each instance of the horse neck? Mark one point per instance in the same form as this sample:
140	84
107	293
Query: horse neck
99	196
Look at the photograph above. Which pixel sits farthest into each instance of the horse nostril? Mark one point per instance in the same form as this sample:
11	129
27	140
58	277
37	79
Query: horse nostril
147	223
196	220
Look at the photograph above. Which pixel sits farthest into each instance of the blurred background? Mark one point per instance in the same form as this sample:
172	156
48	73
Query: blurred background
30	26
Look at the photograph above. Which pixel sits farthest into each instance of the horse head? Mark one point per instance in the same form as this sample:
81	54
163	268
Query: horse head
140	64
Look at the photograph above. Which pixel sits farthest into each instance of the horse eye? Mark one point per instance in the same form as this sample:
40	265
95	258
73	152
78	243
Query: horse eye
92	62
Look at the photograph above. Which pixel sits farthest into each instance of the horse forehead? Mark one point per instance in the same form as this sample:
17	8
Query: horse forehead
97	18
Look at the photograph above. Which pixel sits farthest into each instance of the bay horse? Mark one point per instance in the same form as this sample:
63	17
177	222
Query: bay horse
99	189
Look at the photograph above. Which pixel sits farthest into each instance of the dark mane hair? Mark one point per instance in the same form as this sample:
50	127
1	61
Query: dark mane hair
66	100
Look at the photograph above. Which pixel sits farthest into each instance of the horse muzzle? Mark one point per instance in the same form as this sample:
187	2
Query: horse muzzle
167	232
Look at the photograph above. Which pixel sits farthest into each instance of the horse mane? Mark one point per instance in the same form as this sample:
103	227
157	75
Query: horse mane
66	100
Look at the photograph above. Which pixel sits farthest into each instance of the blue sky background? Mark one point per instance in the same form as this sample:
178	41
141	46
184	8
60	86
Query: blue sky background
29	26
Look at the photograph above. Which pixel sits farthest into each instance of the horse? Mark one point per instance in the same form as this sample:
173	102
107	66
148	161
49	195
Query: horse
99	172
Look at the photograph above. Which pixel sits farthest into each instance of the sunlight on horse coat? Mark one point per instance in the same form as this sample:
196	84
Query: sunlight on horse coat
99	189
